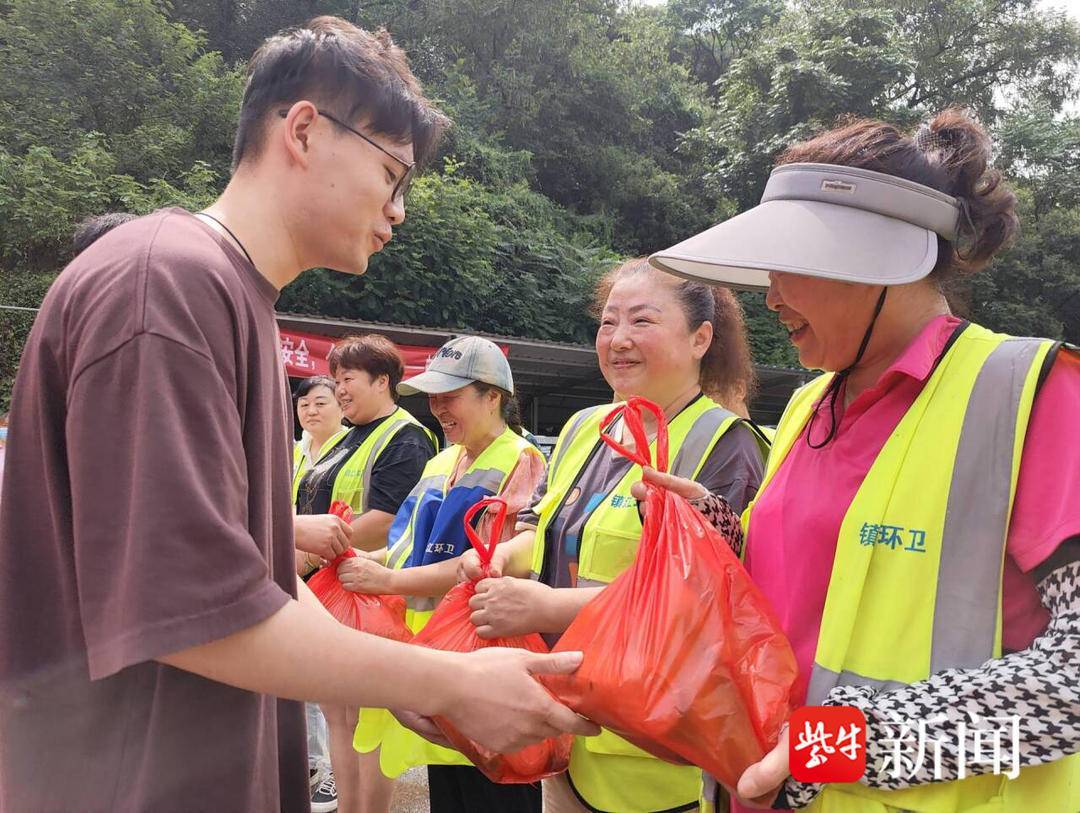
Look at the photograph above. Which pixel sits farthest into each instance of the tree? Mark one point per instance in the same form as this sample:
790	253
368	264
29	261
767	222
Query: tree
809	68
900	61
583	131
1041	149
1034	288
713	33
235	28
119	68
586	91
981	53
507	262
106	106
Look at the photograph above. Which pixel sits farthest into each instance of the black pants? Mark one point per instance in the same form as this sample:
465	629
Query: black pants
463	789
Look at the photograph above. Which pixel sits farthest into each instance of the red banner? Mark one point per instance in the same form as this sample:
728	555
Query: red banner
304	354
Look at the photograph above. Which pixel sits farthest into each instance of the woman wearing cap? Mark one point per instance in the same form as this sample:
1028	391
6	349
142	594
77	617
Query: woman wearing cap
917	530
372	467
471	392
682	345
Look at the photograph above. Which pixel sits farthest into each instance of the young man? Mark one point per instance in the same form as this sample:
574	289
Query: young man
148	612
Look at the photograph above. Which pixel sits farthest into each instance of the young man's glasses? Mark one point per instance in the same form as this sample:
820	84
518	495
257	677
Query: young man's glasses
401	188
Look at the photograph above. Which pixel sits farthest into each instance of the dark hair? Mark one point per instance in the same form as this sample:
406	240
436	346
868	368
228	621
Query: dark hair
346	70
727	372
509	408
374	354
308	384
90	230
950	153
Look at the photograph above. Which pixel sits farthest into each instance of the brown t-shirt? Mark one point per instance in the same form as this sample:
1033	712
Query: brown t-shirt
146	510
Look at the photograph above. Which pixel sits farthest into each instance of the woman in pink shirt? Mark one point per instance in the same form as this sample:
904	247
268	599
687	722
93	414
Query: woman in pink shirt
860	232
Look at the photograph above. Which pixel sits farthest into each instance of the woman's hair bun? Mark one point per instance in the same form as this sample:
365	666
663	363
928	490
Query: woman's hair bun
956	145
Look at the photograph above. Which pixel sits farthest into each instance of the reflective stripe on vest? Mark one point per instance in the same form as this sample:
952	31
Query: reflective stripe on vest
350	488
610	536
301	464
489	472
932	511
490	480
352	482
400	549
401	749
606	772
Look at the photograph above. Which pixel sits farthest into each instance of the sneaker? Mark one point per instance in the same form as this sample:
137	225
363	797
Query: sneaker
324	798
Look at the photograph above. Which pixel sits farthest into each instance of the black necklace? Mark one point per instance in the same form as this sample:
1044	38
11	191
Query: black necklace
230	233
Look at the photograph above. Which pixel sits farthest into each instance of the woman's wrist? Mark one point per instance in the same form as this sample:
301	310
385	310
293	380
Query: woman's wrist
548	610
393	580
559	606
700	499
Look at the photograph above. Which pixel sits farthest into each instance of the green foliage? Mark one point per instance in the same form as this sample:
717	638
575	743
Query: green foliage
981	53
586	92
809	68
504	262
106	105
1042	150
584	129
469	142
900	61
119	68
715	32
42	197
1034	288
20	291
767	337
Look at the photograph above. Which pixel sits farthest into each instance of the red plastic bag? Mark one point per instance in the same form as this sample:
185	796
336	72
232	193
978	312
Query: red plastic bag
379	615
683	655
451	630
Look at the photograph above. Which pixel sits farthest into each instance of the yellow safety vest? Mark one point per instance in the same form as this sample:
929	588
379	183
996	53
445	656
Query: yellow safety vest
606	772
354	477
916	579
399	748
301	463
489	471
768	431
